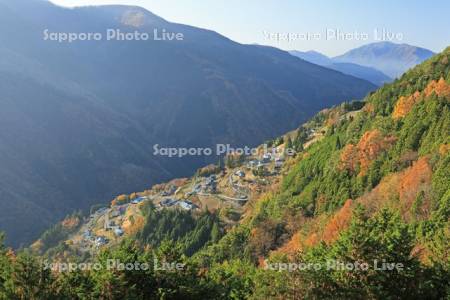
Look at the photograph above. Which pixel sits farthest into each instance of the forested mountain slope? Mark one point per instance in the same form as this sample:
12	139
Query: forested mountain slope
79	119
369	186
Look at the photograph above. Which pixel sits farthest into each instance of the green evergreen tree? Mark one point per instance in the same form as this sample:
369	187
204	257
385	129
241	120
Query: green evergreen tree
338	145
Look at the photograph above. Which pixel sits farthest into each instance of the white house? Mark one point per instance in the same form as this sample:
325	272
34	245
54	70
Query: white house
138	200
118	231
186	205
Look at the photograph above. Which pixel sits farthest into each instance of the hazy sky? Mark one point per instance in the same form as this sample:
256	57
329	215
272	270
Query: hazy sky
313	25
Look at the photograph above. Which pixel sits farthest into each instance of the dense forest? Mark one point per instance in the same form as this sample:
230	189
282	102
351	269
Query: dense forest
363	213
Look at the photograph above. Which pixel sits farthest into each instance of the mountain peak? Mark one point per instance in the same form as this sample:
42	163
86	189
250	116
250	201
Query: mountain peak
390	58
136	17
129	15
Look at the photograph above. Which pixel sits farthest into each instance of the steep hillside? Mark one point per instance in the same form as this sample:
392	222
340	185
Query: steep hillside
80	118
373	187
360	211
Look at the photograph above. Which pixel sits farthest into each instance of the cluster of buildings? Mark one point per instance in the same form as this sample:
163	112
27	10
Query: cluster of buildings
98	241
265	160
109	225
184	204
208	186
258	163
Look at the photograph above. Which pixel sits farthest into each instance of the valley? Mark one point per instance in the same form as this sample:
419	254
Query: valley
230	191
366	192
143	158
99	106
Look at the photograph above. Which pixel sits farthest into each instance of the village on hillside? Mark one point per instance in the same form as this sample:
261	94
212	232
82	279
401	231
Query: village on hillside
229	189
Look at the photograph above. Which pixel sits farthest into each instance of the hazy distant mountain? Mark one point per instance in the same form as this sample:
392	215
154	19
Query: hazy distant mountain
370	74
79	120
313	57
390	58
378	62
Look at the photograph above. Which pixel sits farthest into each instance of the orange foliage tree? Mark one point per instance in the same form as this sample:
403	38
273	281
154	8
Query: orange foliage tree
371	144
405	103
339	222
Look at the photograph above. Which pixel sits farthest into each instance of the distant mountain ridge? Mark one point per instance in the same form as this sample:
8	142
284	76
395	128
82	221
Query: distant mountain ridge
367	73
378	63
313	57
370	74
79	119
390	58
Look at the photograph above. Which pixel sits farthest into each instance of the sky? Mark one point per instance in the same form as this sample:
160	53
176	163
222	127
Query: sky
330	27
